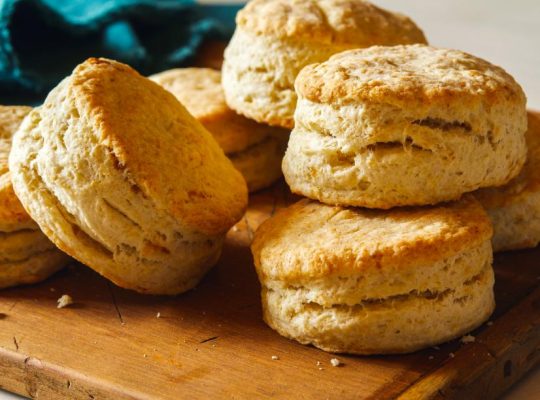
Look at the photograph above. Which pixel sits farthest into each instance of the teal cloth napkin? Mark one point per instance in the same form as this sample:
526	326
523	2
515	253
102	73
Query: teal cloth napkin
41	41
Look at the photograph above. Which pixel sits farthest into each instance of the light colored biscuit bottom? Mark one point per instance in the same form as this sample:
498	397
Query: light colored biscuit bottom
395	324
260	164
259	72
516	225
382	157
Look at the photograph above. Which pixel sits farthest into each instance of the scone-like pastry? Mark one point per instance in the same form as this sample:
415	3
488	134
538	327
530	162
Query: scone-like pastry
119	175
275	39
514	208
372	282
404	125
26	255
256	150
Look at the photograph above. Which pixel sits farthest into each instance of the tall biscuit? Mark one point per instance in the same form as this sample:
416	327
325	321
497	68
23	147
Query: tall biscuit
275	39
119	175
352	280
404	125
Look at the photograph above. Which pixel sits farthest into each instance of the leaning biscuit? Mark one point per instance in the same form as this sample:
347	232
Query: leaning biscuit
372	282
119	175
404	125
26	255
256	150
514	208
275	39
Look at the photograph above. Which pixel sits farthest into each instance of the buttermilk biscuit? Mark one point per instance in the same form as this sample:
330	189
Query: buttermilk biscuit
514	208
256	150
275	39
120	176
26	255
404	125
370	282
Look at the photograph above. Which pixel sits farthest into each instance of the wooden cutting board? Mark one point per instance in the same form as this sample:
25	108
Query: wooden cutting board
211	342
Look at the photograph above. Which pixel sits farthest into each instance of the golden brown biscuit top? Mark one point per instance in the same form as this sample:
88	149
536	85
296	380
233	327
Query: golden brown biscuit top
170	156
313	240
528	180
329	22
12	212
200	91
409	75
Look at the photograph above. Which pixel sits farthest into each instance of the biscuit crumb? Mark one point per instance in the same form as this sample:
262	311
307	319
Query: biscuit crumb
335	362
468	339
319	363
275	358
489	323
158	315
451	355
436	348
52	289
144	355
64	301
431	358
321	368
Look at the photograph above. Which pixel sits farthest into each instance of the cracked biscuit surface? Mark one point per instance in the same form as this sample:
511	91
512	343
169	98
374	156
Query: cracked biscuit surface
119	175
26	255
275	39
514	208
255	149
370	282
404	125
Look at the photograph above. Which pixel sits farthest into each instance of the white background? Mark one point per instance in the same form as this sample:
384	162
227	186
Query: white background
504	32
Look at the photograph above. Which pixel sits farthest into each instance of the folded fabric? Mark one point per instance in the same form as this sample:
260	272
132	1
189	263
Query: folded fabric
42	40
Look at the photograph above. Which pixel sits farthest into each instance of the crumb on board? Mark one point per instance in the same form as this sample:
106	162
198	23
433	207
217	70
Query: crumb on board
275	358
64	301
319	363
489	323
451	355
335	362
145	355
321	368
52	289
158	315
431	358
436	348
468	339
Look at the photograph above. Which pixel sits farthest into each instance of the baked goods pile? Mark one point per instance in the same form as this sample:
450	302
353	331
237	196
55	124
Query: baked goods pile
415	162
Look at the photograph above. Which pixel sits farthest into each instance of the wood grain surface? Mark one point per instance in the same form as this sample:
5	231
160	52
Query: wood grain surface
212	343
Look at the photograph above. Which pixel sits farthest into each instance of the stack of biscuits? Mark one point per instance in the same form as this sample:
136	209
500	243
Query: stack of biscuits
389	253
415	163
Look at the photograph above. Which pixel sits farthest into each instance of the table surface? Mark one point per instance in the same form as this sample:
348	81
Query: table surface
503	32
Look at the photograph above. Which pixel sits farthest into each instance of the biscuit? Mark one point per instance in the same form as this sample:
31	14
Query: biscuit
119	175
256	150
275	39
404	125
514	208
26	255
362	281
